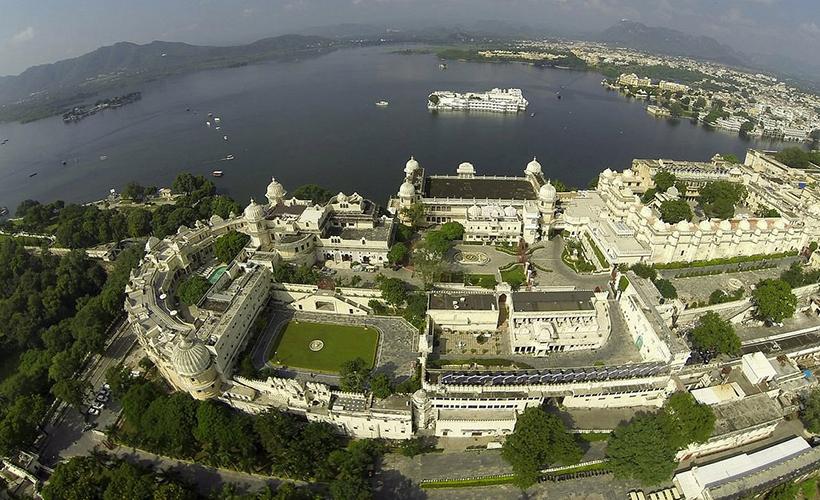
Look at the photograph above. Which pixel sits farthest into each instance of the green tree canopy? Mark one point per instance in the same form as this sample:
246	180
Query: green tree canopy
674	211
774	300
193	289
397	253
666	288
313	192
539	439
690	421
719	198
227	246
353	374
381	386
730	157
714	334
642	450
394	290
810	414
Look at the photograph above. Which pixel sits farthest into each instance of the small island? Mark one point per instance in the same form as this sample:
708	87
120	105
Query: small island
82	111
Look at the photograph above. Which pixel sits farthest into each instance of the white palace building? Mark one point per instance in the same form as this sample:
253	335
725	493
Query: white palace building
196	349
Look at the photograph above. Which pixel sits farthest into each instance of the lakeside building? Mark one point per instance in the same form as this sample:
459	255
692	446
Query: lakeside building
495	100
602	349
492	209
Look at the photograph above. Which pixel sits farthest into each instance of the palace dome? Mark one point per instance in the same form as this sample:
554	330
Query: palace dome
725	225
646	212
510	211
547	192
275	192
407	190
683	226
744	225
254	212
659	225
673	192
152	243
341	197
411	166
533	167
705	225
762	224
474	211
779	224
190	358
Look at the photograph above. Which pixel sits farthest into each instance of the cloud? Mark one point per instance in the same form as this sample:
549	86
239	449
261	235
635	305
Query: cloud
23	36
810	29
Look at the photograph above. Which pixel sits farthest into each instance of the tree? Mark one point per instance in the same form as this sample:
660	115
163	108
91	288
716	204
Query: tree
690	421
222	206
452	231
437	243
313	192
674	211
352	375
394	290
746	127
136	192
774	300
666	288
397	253
428	264
648	196
810	414
414	214
714	334
719	198
644	271
730	157
675	109
79	478
539	439
767	212
139	222
128	481
193	289
783	491
793	156
380	385
227	246
20	423
641	450
700	103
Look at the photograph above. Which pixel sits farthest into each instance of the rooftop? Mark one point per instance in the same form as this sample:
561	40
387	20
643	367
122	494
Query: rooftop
746	413
552	301
469	302
479	188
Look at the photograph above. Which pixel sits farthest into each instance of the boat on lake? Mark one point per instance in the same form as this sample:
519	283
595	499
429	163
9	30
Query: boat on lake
217	173
382	104
4	211
228	158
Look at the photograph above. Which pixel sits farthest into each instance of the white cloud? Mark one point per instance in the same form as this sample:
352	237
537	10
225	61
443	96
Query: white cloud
810	29
24	36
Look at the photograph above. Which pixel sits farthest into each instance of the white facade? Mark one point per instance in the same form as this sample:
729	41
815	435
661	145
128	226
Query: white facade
495	100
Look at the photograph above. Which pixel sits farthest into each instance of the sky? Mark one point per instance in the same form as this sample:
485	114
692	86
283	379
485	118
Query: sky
42	31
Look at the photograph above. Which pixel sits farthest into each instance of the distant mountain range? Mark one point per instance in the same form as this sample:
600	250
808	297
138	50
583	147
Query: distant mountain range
660	40
46	89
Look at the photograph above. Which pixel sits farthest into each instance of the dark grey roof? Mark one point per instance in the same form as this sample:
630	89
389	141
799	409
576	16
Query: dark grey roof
282	209
478	188
552	301
466	302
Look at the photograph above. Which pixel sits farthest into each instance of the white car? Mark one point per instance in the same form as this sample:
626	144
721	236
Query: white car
102	398
97	406
93	411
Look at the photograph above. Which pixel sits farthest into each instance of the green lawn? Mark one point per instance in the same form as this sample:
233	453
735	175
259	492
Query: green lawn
482	280
513	275
341	343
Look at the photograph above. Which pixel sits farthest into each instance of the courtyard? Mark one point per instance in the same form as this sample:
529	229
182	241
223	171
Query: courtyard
324	347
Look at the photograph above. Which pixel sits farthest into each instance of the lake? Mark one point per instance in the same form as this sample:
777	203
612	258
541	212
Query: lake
315	121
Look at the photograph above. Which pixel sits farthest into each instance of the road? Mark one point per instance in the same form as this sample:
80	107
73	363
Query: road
66	437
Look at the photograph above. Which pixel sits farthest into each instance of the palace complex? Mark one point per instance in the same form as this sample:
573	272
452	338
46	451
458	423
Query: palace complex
612	347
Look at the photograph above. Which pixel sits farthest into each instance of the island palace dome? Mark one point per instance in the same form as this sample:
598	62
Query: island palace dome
190	358
254	212
411	166
275	192
533	167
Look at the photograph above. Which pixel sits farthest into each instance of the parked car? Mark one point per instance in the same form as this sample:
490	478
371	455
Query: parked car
93	411
97	406
106	387
102	398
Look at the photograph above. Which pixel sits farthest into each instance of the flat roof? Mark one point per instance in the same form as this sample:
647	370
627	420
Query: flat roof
479	188
746	413
579	300
464	301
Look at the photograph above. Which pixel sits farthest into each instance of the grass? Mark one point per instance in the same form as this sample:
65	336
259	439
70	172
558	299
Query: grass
482	280
468	483
342	343
598	254
513	275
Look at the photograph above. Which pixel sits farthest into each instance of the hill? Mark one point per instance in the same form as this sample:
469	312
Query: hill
671	42
47	89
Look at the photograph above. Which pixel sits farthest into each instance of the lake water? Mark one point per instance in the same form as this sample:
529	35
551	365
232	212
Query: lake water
315	121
